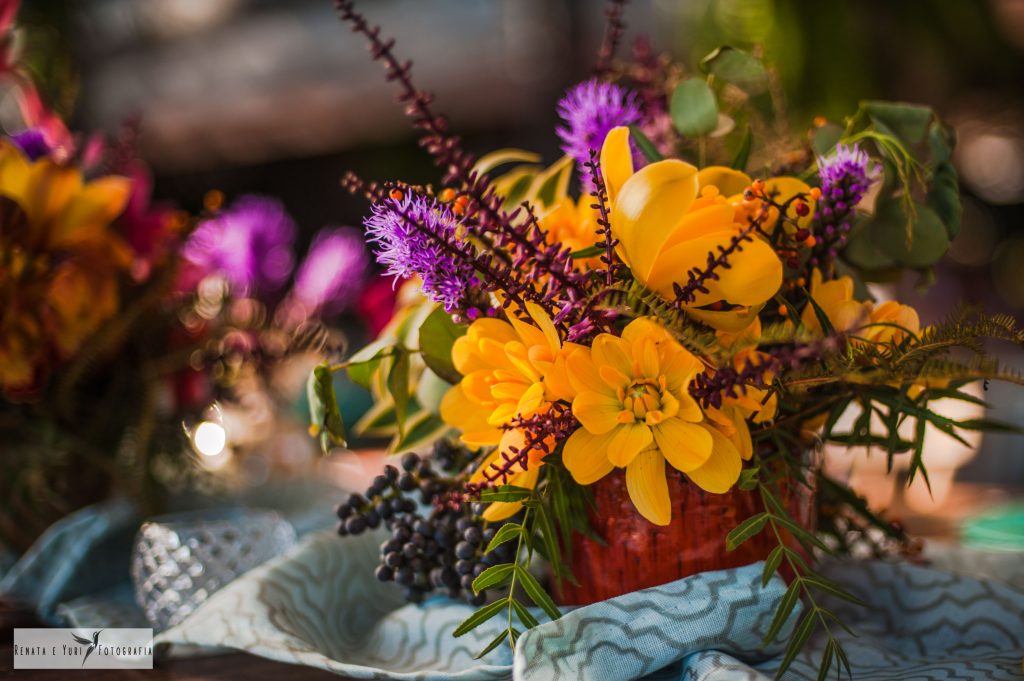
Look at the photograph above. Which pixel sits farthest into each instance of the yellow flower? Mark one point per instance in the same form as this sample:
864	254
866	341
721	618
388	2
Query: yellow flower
666	227
508	369
889	322
512	442
574	225
59	261
636	412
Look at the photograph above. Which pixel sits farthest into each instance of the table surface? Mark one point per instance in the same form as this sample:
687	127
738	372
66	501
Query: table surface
938	522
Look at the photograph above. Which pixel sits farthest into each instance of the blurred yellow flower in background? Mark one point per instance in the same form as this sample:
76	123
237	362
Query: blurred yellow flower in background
667	225
573	224
636	412
889	322
59	261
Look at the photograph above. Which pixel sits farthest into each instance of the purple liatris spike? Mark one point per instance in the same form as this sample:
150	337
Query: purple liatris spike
333	271
589	111
848	170
249	244
418	236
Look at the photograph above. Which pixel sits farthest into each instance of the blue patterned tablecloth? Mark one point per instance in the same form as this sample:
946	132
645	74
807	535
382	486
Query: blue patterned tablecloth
319	605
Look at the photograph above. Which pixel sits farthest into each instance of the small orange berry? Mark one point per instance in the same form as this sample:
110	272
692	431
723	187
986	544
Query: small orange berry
783	311
447	194
214	200
815	193
396	194
820	121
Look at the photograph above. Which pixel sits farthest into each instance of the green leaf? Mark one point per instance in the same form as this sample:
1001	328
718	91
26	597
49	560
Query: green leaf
832	588
745	530
536	592
363	364
505	533
748	478
325	419
398	386
496	575
941	140
693	108
739	161
479	617
771	564
495	642
378	421
797	642
588	252
740	68
783	611
929	239
528	620
430	390
825	138
944	197
990	425
500	157
826	660
862	251
438	334
645	145
821	316
552	184
506	493
421	428
909	122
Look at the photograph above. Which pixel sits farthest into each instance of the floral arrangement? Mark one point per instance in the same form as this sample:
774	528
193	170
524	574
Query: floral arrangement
695	316
121	318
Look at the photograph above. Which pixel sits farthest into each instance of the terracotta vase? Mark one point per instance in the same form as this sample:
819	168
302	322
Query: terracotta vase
638	554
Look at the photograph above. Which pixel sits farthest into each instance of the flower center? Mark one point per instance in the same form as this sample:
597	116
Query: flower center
642	401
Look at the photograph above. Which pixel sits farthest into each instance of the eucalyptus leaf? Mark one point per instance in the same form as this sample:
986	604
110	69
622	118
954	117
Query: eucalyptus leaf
909	122
944	197
693	108
928	241
740	68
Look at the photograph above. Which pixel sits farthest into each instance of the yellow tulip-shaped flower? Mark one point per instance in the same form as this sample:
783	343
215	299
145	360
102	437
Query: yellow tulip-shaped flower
889	322
665	228
572	224
636	413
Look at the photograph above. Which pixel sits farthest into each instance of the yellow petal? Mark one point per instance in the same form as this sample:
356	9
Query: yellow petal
627	441
701	222
586	456
609	350
458	411
722	469
648	488
616	161
728	180
685	445
583	373
545	324
754	275
782	189
85	217
649	207
726	320
596	411
50	187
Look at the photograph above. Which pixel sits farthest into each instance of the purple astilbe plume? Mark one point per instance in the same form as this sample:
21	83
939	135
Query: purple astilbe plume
589	111
32	143
417	236
249	244
333	271
845	176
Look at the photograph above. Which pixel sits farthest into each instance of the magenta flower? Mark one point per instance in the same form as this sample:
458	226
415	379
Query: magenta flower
332	274
417	236
249	244
590	110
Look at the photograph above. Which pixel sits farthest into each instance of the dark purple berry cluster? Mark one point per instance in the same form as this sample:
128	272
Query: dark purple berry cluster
440	548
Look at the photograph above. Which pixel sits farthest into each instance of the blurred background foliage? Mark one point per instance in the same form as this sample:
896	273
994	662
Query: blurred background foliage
276	97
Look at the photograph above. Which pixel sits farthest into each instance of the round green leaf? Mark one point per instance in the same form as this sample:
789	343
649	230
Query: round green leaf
693	108
928	238
740	68
862	251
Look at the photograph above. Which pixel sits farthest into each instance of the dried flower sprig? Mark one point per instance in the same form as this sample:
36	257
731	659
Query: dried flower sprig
697	277
614	29
610	259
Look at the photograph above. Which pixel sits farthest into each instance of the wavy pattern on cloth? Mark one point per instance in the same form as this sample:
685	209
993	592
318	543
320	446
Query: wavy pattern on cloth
320	606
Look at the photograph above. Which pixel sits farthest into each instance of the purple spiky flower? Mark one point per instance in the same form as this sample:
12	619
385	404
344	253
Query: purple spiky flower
419	236
249	244
589	111
846	174
333	271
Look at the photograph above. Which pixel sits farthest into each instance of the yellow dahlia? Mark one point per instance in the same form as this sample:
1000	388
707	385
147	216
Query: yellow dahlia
636	413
